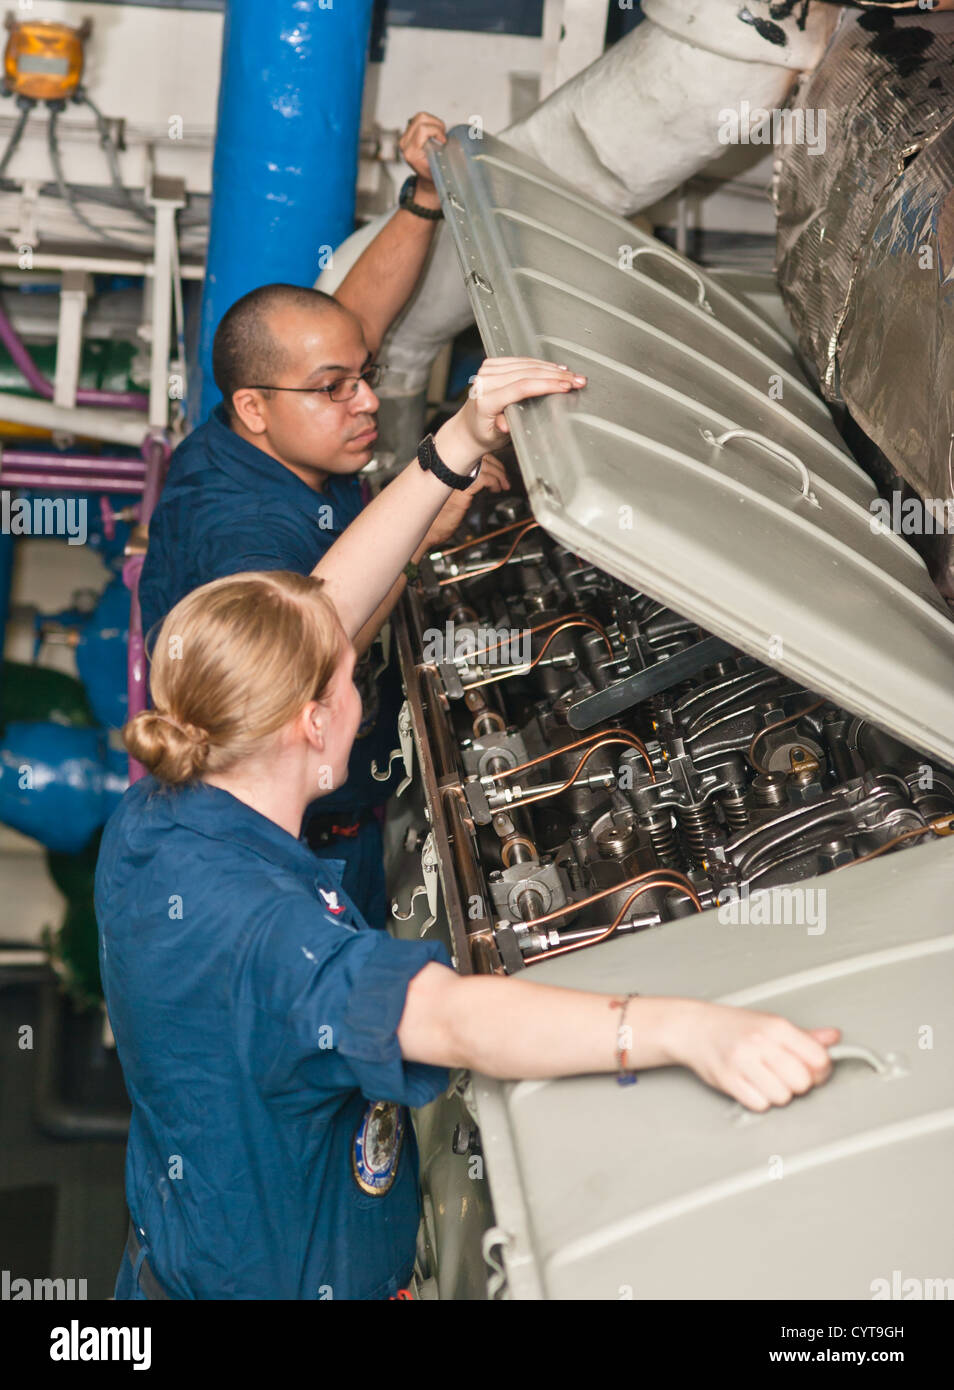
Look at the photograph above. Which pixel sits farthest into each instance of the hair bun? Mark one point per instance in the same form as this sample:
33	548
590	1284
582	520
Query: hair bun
190	731
173	750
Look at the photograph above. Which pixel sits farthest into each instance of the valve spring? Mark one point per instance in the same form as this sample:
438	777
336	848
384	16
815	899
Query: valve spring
659	827
736	811
696	822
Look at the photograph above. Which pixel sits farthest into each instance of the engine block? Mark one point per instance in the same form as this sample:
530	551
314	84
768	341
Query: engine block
595	764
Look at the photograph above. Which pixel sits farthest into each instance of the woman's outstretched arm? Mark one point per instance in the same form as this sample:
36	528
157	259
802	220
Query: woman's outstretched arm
512	1029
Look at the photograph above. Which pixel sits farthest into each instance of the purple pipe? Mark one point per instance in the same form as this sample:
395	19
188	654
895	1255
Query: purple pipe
49	482
131	466
143	477
156	453
136	655
20	355
71	473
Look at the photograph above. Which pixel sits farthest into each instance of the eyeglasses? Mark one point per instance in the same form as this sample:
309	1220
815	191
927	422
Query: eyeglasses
341	390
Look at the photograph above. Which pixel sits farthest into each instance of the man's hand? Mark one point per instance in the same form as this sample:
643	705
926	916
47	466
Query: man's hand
480	425
413	145
492	477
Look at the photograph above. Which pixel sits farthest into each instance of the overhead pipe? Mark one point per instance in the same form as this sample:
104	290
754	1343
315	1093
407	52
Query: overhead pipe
286	152
87	422
23	361
649	113
132	467
40	481
53	472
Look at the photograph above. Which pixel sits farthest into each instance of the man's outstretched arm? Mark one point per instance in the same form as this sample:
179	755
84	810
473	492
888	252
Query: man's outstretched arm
381	281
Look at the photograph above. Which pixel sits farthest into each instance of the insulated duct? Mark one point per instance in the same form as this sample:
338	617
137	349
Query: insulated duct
866	248
286	152
624	132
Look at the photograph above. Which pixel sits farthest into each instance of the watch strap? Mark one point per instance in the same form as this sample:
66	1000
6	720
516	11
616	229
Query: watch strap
431	461
406	201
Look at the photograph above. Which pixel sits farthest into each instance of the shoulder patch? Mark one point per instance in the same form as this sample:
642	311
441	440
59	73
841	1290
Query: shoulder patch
377	1147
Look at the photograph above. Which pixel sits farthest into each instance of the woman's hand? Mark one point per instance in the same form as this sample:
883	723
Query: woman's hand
759	1059
480	425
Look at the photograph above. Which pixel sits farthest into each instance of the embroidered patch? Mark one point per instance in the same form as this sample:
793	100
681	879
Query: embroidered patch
331	902
377	1147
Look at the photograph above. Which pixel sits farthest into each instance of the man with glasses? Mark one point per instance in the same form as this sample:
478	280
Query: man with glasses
268	481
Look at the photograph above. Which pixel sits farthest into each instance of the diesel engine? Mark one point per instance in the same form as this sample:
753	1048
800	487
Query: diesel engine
595	764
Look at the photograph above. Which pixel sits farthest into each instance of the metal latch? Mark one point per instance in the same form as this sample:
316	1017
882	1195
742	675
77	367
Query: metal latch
405	752
429	887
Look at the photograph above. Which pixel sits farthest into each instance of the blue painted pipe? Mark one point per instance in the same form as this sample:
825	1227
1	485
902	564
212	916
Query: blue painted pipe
101	655
58	783
102	643
286	152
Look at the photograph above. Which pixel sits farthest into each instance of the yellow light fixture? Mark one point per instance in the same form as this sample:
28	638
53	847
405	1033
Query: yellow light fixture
43	61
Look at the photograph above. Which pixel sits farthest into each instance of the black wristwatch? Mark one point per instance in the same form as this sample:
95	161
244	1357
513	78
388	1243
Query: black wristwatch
431	461
406	201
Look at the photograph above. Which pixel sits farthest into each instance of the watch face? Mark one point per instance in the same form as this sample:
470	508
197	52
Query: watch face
426	451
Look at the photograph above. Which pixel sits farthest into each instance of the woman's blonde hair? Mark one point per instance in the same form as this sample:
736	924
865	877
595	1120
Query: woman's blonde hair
234	662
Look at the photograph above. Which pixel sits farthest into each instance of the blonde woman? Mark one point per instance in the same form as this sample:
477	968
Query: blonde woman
269	1040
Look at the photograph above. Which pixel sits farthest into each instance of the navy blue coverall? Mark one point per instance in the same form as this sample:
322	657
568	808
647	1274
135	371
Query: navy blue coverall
255	1016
